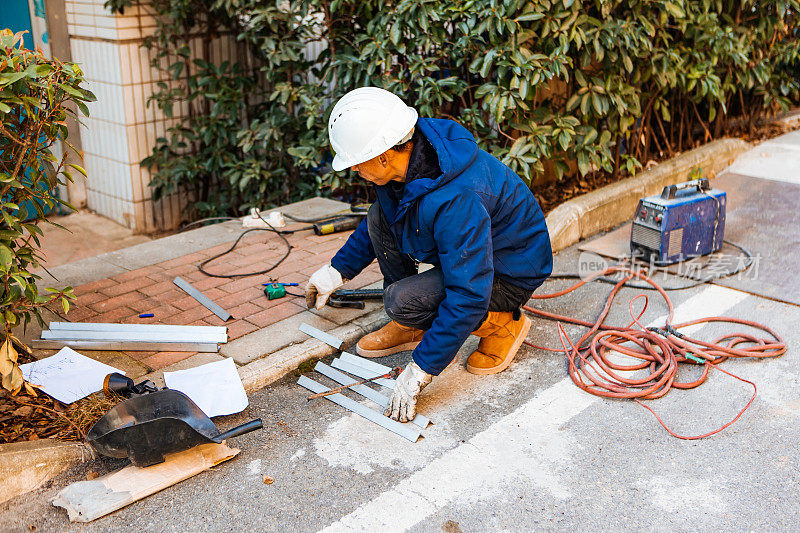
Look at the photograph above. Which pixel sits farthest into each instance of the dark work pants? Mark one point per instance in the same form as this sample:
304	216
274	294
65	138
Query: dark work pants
413	299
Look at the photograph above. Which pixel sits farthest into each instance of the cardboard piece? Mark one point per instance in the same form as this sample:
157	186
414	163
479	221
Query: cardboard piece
89	500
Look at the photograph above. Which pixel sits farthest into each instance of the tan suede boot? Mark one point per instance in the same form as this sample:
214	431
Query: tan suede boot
391	338
501	337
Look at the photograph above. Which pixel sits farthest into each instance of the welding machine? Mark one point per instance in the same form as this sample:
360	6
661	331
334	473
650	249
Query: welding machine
687	220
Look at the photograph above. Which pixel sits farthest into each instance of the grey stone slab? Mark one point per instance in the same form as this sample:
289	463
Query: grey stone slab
273	337
174	246
313	208
80	272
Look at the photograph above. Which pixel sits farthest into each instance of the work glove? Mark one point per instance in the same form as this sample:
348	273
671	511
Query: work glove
321	285
403	404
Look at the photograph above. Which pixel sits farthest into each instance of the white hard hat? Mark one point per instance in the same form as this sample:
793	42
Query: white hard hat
365	123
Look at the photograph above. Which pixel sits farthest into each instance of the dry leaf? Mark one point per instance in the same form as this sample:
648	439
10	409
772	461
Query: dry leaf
92	475
23	411
31	389
268	480
8	359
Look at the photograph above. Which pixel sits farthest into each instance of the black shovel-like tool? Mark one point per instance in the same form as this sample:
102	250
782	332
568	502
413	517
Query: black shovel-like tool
145	428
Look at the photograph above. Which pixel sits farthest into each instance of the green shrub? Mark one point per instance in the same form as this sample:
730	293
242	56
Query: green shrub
34	93
549	87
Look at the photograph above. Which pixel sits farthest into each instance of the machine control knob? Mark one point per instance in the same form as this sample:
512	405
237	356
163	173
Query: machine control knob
658	219
643	213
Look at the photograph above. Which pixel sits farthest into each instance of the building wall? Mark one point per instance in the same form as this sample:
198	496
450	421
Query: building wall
122	129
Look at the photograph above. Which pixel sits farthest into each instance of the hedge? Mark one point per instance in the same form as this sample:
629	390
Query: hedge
549	87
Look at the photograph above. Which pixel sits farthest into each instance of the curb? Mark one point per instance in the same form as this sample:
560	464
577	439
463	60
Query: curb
263	371
609	206
25	466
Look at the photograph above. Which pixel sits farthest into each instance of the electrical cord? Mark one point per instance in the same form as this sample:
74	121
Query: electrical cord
281	233
658	349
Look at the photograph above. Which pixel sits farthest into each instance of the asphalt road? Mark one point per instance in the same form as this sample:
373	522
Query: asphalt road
518	451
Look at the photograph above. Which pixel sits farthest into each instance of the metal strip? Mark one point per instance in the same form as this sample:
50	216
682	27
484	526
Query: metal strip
365	391
362	372
220	331
128	346
408	431
365	363
127	336
327	338
204	300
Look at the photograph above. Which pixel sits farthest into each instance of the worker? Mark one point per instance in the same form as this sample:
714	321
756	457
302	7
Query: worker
441	200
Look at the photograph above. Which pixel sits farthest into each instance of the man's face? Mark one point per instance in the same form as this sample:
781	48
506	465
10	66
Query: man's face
374	171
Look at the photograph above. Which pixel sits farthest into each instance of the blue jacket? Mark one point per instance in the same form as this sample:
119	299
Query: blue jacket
477	220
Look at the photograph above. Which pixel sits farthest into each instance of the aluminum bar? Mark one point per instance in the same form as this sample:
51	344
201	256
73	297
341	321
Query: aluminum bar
204	300
365	363
363	390
221	332
408	431
362	372
327	338
133	336
127	346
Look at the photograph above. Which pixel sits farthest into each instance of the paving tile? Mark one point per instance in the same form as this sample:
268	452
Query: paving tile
244	310
79	313
157	288
139	356
163	359
127	286
119	360
249	295
115	315
91	298
138	273
181	270
273	337
184	303
214	320
233	286
274	314
94	286
117	301
190	315
239	328
208	282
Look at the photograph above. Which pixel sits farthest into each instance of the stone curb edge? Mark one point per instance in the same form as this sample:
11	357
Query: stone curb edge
568	223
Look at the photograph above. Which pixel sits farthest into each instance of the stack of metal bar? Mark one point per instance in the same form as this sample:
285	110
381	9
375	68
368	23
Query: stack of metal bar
366	369
134	337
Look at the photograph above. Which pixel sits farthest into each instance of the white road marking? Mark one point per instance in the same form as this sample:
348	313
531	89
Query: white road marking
523	445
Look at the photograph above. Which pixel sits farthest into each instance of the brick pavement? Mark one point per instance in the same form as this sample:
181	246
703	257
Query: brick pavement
121	298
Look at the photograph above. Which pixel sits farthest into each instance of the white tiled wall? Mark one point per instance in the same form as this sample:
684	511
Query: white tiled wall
122	128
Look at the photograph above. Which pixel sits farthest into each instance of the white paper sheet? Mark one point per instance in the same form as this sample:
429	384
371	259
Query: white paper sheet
67	376
215	387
